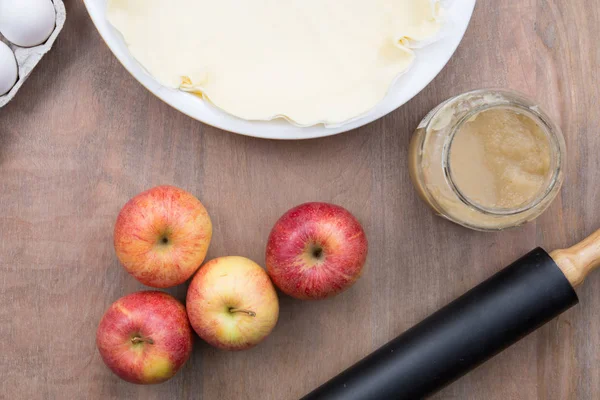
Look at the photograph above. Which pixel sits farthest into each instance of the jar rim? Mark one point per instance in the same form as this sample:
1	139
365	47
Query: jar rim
531	111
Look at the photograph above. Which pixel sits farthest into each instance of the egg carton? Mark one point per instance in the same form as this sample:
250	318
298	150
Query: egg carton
28	58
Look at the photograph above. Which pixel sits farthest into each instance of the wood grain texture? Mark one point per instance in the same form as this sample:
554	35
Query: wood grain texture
83	136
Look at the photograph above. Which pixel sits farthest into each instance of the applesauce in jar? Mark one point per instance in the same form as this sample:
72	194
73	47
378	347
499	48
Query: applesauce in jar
487	160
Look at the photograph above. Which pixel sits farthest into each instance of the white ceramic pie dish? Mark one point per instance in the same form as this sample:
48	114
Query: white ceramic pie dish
429	62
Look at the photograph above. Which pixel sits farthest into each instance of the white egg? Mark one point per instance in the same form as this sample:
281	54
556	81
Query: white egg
8	69
27	23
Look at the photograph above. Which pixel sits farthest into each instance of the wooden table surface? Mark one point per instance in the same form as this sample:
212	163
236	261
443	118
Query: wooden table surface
83	136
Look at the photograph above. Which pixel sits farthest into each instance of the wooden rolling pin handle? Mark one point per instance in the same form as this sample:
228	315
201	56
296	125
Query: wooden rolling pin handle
580	260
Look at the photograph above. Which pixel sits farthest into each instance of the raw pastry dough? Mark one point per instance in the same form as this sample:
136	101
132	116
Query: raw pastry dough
310	61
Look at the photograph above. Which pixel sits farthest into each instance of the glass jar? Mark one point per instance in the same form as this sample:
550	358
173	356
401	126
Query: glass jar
431	167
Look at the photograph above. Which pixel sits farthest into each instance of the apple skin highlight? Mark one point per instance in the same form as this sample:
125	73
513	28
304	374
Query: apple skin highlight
232	304
145	337
162	235
315	251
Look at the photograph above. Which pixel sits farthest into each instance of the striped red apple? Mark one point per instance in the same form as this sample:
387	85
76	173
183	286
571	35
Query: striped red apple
145	337
162	236
315	251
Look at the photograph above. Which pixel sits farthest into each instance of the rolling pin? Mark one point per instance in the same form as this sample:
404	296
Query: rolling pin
470	330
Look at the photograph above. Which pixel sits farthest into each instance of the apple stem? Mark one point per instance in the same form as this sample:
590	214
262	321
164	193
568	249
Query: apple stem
138	339
236	310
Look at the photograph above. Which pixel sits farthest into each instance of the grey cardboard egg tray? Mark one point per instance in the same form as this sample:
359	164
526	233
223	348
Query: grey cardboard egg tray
28	58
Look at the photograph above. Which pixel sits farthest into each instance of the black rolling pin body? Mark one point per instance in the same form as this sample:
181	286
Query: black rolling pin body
459	337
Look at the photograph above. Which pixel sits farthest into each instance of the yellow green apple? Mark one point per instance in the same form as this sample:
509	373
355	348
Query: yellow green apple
232	304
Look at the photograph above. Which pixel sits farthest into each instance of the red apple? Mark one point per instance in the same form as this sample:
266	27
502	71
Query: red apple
145	337
315	251
232	304
162	236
